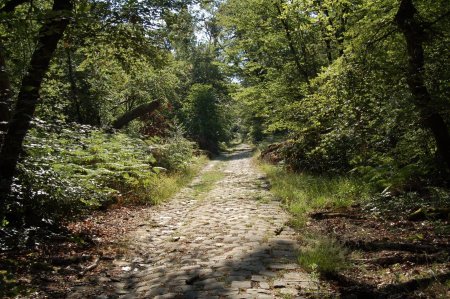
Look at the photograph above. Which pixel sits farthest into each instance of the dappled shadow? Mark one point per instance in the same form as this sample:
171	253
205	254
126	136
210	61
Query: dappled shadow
417	254
236	154
248	274
409	247
351	288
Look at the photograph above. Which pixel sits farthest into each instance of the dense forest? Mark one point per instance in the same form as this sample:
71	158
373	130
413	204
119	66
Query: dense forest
110	103
76	75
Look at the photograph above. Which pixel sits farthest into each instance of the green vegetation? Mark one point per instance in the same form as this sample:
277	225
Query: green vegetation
80	167
208	121
323	255
208	180
110	109
302	193
113	102
336	83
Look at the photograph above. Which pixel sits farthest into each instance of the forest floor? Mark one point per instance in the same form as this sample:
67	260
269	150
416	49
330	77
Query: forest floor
389	256
226	236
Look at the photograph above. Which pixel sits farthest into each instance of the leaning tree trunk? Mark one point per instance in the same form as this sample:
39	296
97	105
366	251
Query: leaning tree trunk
5	99
49	35
139	111
5	85
414	34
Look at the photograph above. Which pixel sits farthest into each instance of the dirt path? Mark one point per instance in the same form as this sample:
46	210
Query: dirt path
227	241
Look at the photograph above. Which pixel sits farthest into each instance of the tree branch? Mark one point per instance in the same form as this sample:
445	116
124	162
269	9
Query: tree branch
139	111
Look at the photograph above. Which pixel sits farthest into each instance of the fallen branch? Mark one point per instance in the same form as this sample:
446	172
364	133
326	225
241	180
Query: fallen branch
64	261
328	215
430	213
400	259
90	267
139	111
377	246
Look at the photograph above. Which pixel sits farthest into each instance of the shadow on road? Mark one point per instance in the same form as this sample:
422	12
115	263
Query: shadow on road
252	272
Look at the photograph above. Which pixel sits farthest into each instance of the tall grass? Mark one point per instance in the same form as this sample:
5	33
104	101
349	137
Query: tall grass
323	255
166	185
302	193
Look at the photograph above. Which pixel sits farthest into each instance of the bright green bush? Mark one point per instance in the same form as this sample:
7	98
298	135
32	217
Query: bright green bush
173	153
72	168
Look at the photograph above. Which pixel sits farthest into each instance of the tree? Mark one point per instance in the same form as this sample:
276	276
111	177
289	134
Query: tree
360	110
49	35
206	117
415	35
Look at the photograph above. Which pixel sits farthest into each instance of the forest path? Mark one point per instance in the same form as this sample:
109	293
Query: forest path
226	240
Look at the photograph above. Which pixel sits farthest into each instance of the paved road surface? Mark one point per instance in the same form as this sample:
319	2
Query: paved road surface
229	242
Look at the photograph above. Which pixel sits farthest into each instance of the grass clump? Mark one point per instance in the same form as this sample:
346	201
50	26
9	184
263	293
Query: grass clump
323	255
166	185
208	179
301	193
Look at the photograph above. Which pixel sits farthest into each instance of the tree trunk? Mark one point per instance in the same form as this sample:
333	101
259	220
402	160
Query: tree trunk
49	35
5	84
139	111
414	34
73	86
5	99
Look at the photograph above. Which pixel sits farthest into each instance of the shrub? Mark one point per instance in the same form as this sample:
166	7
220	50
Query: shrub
69	169
173	153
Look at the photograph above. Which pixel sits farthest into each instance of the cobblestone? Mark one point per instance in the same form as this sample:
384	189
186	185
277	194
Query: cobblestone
222	245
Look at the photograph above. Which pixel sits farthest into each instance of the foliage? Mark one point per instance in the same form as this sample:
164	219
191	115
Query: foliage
69	168
348	106
173	153
302	193
208	120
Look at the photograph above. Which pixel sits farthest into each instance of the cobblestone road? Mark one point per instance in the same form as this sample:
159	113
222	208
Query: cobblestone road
230	242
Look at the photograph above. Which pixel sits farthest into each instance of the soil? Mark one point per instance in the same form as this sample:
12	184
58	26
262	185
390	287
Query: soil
392	257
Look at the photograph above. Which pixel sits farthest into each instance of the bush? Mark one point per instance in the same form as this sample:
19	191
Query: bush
69	169
173	153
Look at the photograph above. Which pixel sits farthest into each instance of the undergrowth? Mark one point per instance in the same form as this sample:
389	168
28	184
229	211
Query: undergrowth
71	169
302	193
